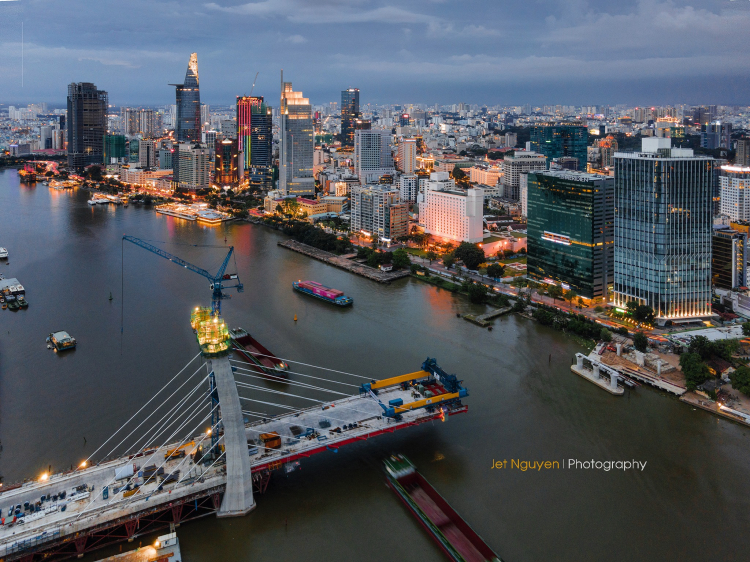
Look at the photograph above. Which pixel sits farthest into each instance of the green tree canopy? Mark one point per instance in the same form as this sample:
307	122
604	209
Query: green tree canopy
477	293
640	342
401	259
495	270
555	292
449	259
695	370
746	329
471	254
741	379
605	335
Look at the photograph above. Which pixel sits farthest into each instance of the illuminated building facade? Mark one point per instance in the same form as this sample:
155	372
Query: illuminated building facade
663	229
296	143
87	124
245	105
570	230
260	171
349	114
734	186
226	170
562	139
188	101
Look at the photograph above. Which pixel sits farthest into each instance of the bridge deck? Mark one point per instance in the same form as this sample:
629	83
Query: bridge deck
84	514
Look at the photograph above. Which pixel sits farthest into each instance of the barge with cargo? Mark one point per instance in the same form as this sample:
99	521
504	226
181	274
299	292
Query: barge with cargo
315	289
452	534
259	357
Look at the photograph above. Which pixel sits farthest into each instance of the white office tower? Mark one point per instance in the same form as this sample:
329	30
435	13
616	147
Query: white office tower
521	161
45	137
146	153
523	188
407	155
195	165
734	185
408	186
372	155
663	230
451	213
297	143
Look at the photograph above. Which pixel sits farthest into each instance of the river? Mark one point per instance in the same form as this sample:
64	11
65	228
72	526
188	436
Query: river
689	503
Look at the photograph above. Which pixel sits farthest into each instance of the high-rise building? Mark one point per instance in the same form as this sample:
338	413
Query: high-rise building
188	102
571	231
663	229
146	153
377	210
521	161
409	187
245	106
561	139
729	257
194	165
255	135
716	135
296	143
87	124
372	155
45	137
742	155
115	149
451	213
349	114
607	147
226	171
734	194
149	123
407	155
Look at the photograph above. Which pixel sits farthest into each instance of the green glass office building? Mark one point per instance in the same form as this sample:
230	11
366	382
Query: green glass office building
115	148
561	140
570	231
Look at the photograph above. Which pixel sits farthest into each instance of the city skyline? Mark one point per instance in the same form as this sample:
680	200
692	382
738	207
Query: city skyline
545	52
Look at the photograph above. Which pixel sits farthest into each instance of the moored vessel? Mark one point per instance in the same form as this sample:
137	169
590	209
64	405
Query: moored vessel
61	341
315	289
262	360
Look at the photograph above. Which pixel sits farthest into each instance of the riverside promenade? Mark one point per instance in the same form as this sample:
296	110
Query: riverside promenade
345	262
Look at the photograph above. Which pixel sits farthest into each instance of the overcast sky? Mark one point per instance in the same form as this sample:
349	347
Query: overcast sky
395	51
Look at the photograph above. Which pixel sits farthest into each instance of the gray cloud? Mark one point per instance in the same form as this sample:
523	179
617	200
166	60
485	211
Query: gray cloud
423	50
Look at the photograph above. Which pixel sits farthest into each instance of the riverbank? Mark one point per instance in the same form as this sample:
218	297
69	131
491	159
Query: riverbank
344	262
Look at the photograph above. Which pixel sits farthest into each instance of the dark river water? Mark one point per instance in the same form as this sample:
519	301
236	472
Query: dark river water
692	501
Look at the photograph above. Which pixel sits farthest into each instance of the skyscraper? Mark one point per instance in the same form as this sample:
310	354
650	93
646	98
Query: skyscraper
297	143
87	124
245	106
561	139
663	219
372	155
226	172
260	172
407	155
570	230
349	114
188	101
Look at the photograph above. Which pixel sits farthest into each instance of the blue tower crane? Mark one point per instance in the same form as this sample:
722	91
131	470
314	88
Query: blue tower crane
216	281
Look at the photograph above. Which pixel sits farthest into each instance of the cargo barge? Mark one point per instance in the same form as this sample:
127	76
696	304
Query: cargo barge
262	360
315	289
452	534
61	341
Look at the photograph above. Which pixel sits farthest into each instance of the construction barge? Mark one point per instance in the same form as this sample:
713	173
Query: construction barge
122	499
260	358
452	534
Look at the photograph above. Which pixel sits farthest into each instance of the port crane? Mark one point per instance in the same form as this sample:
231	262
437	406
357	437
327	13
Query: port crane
216	282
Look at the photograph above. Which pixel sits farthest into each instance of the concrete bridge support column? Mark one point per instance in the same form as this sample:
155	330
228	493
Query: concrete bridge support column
238	498
595	367
613	380
658	367
619	349
579	361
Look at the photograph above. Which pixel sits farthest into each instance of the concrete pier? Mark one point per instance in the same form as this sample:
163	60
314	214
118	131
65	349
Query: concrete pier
594	374
238	498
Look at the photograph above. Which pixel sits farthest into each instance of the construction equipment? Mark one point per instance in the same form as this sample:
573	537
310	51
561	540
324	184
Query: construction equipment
216	281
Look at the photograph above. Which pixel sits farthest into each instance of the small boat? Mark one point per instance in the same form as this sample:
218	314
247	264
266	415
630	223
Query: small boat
315	289
22	302
61	340
13	304
5	305
91	202
3	253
